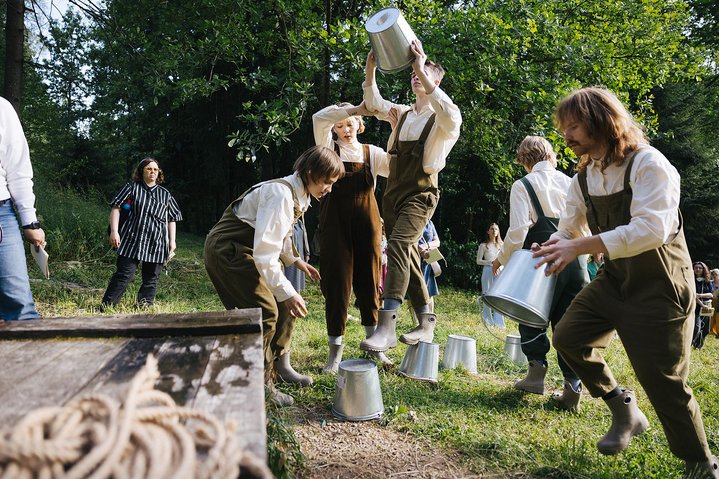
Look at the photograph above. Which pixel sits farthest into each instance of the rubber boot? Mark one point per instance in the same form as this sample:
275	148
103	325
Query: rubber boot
385	336
333	363
568	399
627	421
287	374
381	358
277	397
702	470
424	332
534	380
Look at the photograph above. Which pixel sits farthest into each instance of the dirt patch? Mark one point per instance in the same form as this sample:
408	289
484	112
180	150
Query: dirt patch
365	450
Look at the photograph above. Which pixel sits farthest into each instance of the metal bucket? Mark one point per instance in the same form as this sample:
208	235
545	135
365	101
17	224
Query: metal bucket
421	362
513	349
522	292
390	36
358	396
460	350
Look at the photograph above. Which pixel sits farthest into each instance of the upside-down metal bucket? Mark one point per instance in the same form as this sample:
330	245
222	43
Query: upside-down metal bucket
522	292
460	350
421	362
390	36
513	349
358	396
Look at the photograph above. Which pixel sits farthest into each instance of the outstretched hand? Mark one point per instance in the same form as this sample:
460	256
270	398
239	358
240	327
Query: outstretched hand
296	306
308	269
420	58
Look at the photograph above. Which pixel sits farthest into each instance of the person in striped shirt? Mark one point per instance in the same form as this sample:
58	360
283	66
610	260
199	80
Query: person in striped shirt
147	236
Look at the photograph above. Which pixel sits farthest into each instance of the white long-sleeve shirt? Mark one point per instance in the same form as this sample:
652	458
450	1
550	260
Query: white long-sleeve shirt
15	167
654	220
551	187
444	133
486	253
322	123
269	209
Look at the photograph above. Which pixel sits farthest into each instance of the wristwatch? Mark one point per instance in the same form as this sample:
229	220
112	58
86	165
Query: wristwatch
35	225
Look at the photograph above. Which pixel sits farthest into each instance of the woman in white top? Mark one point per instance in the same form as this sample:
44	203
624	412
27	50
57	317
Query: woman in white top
350	226
487	253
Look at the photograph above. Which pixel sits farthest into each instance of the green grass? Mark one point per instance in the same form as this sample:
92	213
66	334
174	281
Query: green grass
495	428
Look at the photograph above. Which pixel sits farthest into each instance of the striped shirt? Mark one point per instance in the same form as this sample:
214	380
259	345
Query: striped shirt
144	235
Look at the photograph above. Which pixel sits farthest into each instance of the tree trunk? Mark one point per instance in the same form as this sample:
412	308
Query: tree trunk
14	43
324	93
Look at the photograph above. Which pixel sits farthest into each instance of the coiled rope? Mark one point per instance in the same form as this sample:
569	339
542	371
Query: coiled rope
147	436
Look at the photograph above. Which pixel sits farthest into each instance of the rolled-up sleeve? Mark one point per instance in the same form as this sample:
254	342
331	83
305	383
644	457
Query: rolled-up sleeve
520	221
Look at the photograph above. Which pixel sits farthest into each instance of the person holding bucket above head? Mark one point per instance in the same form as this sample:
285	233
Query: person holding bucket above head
419	144
628	193
244	249
486	254
535	204
350	227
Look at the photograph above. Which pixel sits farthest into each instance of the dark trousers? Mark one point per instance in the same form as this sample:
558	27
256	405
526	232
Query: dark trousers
701	328
126	268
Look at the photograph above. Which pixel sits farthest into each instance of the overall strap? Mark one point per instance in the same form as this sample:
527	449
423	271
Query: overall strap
532	196
399	129
427	128
365	153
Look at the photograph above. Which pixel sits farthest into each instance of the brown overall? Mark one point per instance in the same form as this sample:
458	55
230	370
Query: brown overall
350	237
649	300
408	203
231	268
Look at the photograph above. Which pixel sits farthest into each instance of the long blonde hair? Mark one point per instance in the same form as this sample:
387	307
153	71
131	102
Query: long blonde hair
605	118
498	239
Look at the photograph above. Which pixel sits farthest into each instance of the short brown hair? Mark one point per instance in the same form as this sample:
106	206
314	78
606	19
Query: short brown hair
318	163
534	149
605	118
436	68
137	174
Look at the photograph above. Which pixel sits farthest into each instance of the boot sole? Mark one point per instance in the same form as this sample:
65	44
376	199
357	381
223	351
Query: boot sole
405	341
377	350
641	429
530	390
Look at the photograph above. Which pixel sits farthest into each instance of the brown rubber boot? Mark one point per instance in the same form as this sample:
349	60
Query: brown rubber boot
423	332
333	363
627	421
702	470
533	382
568	399
385	336
287	374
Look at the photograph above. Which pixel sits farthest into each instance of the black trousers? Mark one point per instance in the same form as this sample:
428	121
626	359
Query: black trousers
126	268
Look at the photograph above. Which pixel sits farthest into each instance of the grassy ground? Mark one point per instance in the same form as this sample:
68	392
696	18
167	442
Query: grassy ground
495	428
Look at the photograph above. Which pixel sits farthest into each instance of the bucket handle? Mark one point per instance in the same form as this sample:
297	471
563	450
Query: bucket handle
480	303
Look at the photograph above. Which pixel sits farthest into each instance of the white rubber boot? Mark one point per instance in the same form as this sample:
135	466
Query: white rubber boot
385	336
533	382
627	421
381	358
423	332
287	374
333	363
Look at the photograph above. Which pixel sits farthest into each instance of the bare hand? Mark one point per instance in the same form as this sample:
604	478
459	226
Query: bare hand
419	56
115	240
36	237
308	269
296	306
556	254
393	117
371	64
496	267
363	111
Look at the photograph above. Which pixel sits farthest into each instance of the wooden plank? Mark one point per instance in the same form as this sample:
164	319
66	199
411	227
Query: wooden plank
233	388
23	363
59	380
237	321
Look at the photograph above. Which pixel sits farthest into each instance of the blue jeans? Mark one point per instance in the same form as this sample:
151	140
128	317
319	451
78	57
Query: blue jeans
15	295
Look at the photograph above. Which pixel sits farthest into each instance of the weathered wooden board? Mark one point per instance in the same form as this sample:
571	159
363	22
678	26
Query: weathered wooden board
135	325
208	361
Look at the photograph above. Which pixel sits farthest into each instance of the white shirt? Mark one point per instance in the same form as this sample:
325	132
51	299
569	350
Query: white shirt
550	186
654	208
322	123
15	167
269	209
486	253
444	133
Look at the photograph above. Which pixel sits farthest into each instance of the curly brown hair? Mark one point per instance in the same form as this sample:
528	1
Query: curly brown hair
137	174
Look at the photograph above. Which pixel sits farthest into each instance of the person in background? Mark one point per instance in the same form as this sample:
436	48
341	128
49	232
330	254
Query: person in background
16	193
429	241
535	204
594	264
420	142
350	227
244	249
702	283
628	194
486	254
299	240
714	275
148	235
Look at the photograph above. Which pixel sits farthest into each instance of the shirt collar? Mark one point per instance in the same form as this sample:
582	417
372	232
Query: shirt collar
302	197
543	166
